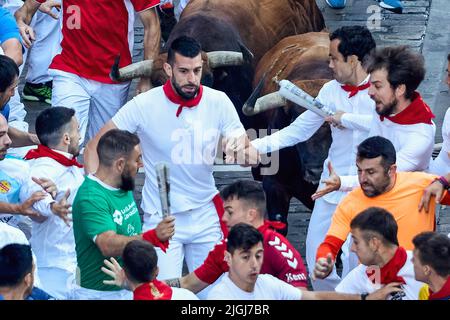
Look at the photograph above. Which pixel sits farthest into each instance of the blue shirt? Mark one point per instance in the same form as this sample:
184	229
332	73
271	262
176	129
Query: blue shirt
8	26
5	111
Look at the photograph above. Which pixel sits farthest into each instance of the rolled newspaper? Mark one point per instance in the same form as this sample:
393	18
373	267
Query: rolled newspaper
290	91
162	175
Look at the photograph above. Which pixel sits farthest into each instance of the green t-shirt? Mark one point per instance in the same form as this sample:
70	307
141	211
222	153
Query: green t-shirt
97	209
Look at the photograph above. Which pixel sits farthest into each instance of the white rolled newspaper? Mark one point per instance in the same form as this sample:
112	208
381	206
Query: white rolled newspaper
291	92
162	175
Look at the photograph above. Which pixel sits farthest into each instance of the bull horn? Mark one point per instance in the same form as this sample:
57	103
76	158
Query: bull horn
224	58
249	105
269	101
134	70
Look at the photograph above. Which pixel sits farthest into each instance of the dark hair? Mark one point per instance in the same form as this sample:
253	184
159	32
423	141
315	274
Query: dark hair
243	236
354	40
16	261
375	147
434	250
115	144
448	57
185	46
250	191
403	66
139	261
377	220
8	72
51	124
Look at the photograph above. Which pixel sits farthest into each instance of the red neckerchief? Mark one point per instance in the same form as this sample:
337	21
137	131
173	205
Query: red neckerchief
417	112
153	290
354	89
275	225
175	98
389	271
43	151
443	294
218	203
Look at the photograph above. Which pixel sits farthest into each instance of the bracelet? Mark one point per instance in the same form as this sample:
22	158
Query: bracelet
443	181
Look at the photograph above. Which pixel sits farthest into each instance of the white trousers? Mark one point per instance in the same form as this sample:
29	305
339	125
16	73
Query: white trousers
17	109
197	231
317	230
44	48
57	282
90	99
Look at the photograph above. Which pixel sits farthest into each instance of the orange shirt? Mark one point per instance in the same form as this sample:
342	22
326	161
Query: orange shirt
402	201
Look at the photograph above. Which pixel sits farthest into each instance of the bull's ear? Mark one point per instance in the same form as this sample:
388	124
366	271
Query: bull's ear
246	53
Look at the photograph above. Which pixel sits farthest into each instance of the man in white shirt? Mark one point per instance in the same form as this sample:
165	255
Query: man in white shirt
401	114
347	96
374	234
52	236
180	123
244	255
441	165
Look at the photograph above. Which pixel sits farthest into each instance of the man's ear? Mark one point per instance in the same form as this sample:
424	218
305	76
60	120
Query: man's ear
119	164
252	214
353	59
374	243
227	258
167	69
156	272
392	169
400	90
66	138
427	270
29	280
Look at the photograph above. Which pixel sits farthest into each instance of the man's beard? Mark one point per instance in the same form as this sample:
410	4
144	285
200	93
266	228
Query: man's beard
376	191
184	95
74	150
388	109
127	183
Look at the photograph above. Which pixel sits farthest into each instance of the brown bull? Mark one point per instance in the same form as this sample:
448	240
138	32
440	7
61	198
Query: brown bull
302	59
242	31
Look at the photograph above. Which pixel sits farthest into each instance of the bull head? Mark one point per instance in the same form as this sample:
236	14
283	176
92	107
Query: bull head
144	68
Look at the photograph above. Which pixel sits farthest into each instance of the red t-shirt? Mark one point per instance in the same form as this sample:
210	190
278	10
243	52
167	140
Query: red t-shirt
94	33
281	260
153	290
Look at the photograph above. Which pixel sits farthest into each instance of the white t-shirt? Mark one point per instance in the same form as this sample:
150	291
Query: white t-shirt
342	154
52	240
10	235
183	294
188	144
267	287
357	281
441	165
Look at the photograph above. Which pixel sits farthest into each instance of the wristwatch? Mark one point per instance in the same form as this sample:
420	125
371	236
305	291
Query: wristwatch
364	296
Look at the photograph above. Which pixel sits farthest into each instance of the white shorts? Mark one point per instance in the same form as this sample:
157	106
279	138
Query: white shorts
197	231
